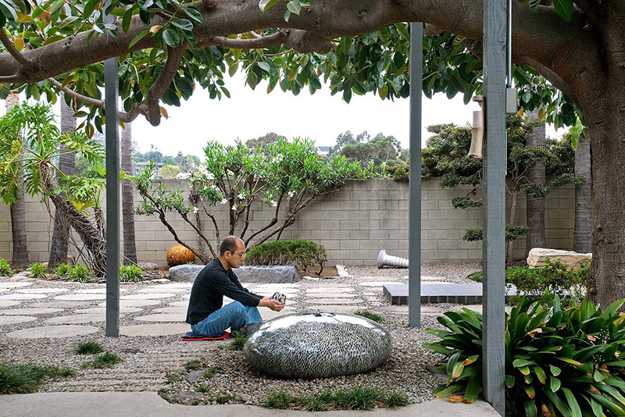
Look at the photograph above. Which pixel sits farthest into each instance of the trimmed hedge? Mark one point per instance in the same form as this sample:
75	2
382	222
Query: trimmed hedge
303	254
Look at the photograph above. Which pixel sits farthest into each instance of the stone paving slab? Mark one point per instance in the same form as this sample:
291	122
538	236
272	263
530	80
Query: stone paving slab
337	301
171	310
97	291
9	303
77	319
135	303
62	304
147	296
102	310
80	297
30	311
432	293
184	303
163	317
149	330
11	285
43	332
331	294
332	289
17	296
6	320
42	290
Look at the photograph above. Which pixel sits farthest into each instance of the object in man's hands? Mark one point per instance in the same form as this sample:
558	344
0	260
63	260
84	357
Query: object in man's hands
281	298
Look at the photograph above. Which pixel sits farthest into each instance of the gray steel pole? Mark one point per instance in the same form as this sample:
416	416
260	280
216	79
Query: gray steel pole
495	31
112	197
414	212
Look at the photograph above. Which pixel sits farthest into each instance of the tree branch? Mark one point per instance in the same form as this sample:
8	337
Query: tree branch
10	47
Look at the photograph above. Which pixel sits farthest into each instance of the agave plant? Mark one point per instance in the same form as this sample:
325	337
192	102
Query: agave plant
559	361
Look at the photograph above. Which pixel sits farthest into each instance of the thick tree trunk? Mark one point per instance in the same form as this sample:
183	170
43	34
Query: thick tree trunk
583	196
60	235
19	255
128	203
536	176
514	207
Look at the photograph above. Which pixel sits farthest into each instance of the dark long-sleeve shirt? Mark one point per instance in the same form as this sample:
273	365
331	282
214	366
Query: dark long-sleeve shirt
209	287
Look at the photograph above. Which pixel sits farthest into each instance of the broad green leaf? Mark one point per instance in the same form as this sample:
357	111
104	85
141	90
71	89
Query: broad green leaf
572	402
265	5
171	38
554	384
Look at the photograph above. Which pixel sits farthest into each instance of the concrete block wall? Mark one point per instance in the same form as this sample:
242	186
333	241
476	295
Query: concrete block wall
353	224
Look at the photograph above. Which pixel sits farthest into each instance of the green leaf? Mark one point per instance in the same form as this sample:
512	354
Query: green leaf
540	374
530	408
474	387
265	66
194	14
184	24
265	5
521	363
555	371
554	384
171	38
294	7
576	411
138	38
89	7
457	370
564	9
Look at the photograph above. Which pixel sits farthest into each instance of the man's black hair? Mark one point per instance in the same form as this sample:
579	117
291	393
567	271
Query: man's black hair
229	244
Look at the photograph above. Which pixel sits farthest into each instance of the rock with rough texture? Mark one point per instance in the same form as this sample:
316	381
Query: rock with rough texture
148	266
537	257
317	345
260	274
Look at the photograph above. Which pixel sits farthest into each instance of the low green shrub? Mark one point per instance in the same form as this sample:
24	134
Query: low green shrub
303	254
193	365
38	270
26	378
5	268
398	170
130	273
103	360
89	348
559	361
62	270
238	341
79	273
357	398
370	315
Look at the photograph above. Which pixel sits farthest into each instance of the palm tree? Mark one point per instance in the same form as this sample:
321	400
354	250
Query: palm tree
130	248
536	176
583	195
60	235
18	209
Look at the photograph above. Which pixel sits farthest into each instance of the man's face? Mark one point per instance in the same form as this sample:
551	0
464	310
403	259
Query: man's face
236	258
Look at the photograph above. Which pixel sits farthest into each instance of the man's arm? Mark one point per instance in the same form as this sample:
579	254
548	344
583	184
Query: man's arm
226	287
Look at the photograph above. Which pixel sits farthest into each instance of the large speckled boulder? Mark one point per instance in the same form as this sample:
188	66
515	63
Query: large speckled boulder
317	345
538	256
262	274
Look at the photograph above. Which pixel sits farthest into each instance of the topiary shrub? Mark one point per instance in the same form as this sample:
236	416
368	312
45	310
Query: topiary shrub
303	254
38	270
5	268
179	255
130	273
553	276
559	361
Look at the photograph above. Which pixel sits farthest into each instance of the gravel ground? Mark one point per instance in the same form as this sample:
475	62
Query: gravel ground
408	371
451	272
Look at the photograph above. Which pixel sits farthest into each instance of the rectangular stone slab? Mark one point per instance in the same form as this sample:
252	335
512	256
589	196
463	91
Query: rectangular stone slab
433	293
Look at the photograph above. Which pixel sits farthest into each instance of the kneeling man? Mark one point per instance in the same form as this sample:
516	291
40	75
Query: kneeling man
206	315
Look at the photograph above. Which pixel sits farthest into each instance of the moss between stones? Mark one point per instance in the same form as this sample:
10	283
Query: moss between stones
25	378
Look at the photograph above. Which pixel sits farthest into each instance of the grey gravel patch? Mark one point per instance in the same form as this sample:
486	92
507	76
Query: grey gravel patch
77	319
102	310
97	291
42	290
9	303
52	332
22	296
171	310
160	290
61	304
80	297
179	304
6	320
135	303
161	329
11	285
337	301
30	311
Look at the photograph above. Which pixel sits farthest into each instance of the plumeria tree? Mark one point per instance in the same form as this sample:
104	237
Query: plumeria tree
286	176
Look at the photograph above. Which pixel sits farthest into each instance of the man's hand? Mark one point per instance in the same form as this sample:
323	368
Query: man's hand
270	303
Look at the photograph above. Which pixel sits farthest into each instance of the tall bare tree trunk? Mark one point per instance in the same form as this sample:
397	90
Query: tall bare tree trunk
583	196
536	176
19	256
60	235
130	248
514	207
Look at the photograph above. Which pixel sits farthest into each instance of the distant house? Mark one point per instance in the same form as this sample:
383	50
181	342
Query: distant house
323	150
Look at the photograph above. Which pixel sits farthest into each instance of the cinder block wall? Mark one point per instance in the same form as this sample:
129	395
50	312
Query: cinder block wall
353	224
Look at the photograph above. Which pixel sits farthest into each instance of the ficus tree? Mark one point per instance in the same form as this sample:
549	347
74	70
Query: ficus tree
568	56
285	176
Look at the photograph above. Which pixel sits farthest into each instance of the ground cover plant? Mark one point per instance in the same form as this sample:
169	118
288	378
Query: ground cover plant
370	315
103	360
5	268
89	348
26	377
560	361
130	273
38	270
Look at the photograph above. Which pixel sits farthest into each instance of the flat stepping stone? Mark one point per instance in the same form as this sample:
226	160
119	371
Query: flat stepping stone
134	303
149	296
329	289
6	320
184	303
61	304
78	319
330	294
163	317
43	332
102	310
268	314
11	285
377	283
440	292
161	290
42	290
152	330
97	291
22	296
336	301
30	311
171	310
7	303
80	297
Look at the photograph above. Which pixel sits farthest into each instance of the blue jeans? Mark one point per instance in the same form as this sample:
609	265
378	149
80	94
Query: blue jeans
234	315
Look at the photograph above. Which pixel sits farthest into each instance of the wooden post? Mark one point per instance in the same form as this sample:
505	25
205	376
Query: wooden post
414	214
111	93
493	357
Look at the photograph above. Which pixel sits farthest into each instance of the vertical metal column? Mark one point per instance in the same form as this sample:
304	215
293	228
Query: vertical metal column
414	212
495	31
112	197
